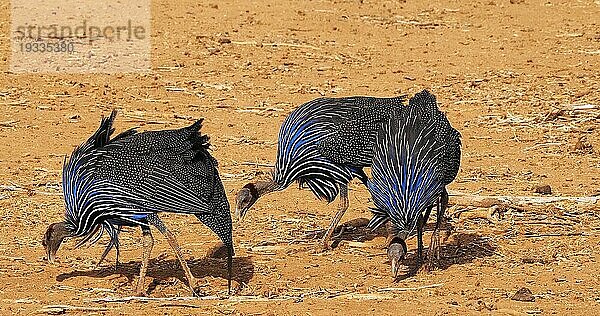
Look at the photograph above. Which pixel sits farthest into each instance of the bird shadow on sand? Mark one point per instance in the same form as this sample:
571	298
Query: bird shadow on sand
352	230
455	247
459	248
162	270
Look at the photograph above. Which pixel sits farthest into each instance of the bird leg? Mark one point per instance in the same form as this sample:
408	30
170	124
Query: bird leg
173	242
444	207
420	226
105	253
420	268
114	242
148	243
434	248
342	207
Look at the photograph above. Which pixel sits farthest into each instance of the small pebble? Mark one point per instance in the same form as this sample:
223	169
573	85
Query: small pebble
523	295
543	189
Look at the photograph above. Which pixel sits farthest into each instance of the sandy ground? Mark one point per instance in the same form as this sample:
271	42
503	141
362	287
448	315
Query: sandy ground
507	73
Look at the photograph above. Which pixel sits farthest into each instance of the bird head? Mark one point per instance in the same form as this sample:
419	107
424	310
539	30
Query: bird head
245	198
54	236
396	251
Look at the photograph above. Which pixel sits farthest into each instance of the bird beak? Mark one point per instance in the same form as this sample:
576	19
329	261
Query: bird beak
396	252
240	213
395	267
54	236
51	253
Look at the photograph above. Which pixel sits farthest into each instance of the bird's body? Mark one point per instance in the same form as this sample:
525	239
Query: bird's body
129	179
324	144
417	154
327	142
137	174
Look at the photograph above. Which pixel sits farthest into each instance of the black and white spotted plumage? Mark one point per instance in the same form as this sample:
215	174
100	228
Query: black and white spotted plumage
417	154
326	142
109	183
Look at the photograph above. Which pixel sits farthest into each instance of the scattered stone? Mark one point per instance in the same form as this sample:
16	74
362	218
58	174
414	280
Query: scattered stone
481	305
213	50
543	189
533	260
74	118
224	40
583	146
523	295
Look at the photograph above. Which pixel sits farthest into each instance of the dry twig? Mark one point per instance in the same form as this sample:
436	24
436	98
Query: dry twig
489	200
402	289
256	164
276	44
61	309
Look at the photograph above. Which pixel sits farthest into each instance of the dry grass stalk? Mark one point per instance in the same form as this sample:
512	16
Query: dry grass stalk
22	189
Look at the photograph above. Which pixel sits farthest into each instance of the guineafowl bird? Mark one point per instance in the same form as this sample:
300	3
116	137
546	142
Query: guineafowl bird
417	154
324	144
130	178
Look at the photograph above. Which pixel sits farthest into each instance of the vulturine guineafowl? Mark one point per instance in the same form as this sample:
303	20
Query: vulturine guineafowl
417	154
130	178
324	144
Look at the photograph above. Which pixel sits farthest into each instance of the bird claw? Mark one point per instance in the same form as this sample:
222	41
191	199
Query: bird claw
326	244
447	233
140	289
193	283
140	292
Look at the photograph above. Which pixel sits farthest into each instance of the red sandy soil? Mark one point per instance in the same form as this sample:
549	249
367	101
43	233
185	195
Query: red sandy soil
506	73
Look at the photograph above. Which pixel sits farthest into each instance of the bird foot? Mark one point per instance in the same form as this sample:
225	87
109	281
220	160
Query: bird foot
115	268
140	292
447	233
433	253
192	283
326	244
424	269
140	289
